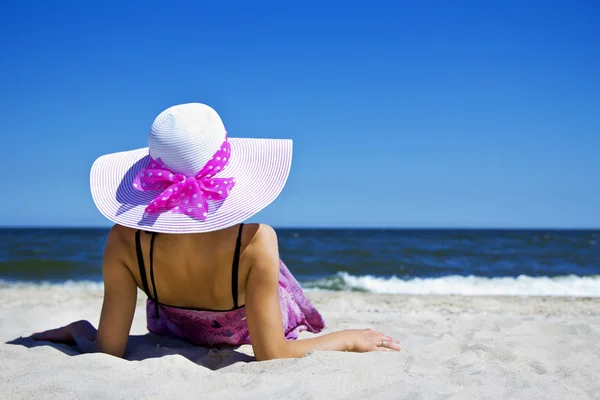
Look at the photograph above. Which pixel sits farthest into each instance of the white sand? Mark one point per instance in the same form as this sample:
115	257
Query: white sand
453	347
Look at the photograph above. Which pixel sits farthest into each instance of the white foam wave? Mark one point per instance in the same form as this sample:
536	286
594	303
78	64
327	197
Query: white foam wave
68	285
570	285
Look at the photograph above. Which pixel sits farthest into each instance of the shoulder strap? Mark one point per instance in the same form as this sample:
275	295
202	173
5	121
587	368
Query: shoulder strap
235	268
140	257
152	273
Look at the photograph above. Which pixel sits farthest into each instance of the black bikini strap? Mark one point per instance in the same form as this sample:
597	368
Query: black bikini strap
152	273
140	257
235	268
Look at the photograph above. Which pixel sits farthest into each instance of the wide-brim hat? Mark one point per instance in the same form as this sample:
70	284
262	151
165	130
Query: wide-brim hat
192	177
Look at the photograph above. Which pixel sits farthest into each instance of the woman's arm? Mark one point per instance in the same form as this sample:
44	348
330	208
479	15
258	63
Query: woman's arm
120	296
264	314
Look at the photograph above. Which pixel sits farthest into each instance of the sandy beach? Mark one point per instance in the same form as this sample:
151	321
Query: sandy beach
453	347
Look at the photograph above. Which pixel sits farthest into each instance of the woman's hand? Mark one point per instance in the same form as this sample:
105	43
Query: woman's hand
364	340
68	333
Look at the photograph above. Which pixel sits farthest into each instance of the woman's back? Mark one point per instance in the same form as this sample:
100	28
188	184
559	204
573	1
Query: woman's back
199	293
191	270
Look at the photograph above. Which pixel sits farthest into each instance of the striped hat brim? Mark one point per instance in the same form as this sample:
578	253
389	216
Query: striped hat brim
260	168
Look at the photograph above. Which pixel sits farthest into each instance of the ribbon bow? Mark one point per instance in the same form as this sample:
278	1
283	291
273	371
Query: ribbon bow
185	194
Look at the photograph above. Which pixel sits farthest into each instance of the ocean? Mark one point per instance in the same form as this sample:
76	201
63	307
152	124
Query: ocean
415	261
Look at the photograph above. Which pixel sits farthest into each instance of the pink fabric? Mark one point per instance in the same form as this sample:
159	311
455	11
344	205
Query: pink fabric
212	328
185	194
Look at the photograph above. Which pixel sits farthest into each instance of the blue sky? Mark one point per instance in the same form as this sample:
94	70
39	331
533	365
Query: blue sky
403	114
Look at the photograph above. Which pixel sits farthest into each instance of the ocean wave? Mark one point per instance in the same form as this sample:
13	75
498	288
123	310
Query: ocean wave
570	285
71	285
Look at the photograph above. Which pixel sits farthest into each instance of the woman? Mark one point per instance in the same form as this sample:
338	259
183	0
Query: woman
178	207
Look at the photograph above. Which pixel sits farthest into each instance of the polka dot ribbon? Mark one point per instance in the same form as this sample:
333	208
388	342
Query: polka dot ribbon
185	194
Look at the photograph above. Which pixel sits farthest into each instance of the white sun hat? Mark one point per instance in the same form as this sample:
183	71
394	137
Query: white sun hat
191	178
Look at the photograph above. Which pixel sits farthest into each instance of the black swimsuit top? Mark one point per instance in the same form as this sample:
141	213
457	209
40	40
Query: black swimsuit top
140	258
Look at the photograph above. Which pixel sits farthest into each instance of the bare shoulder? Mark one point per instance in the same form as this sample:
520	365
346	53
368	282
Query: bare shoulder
263	238
262	234
263	248
120	239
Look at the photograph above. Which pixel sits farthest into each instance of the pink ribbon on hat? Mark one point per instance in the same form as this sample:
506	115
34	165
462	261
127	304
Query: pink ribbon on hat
186	194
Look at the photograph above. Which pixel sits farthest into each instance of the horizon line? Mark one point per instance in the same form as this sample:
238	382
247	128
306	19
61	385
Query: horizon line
333	227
